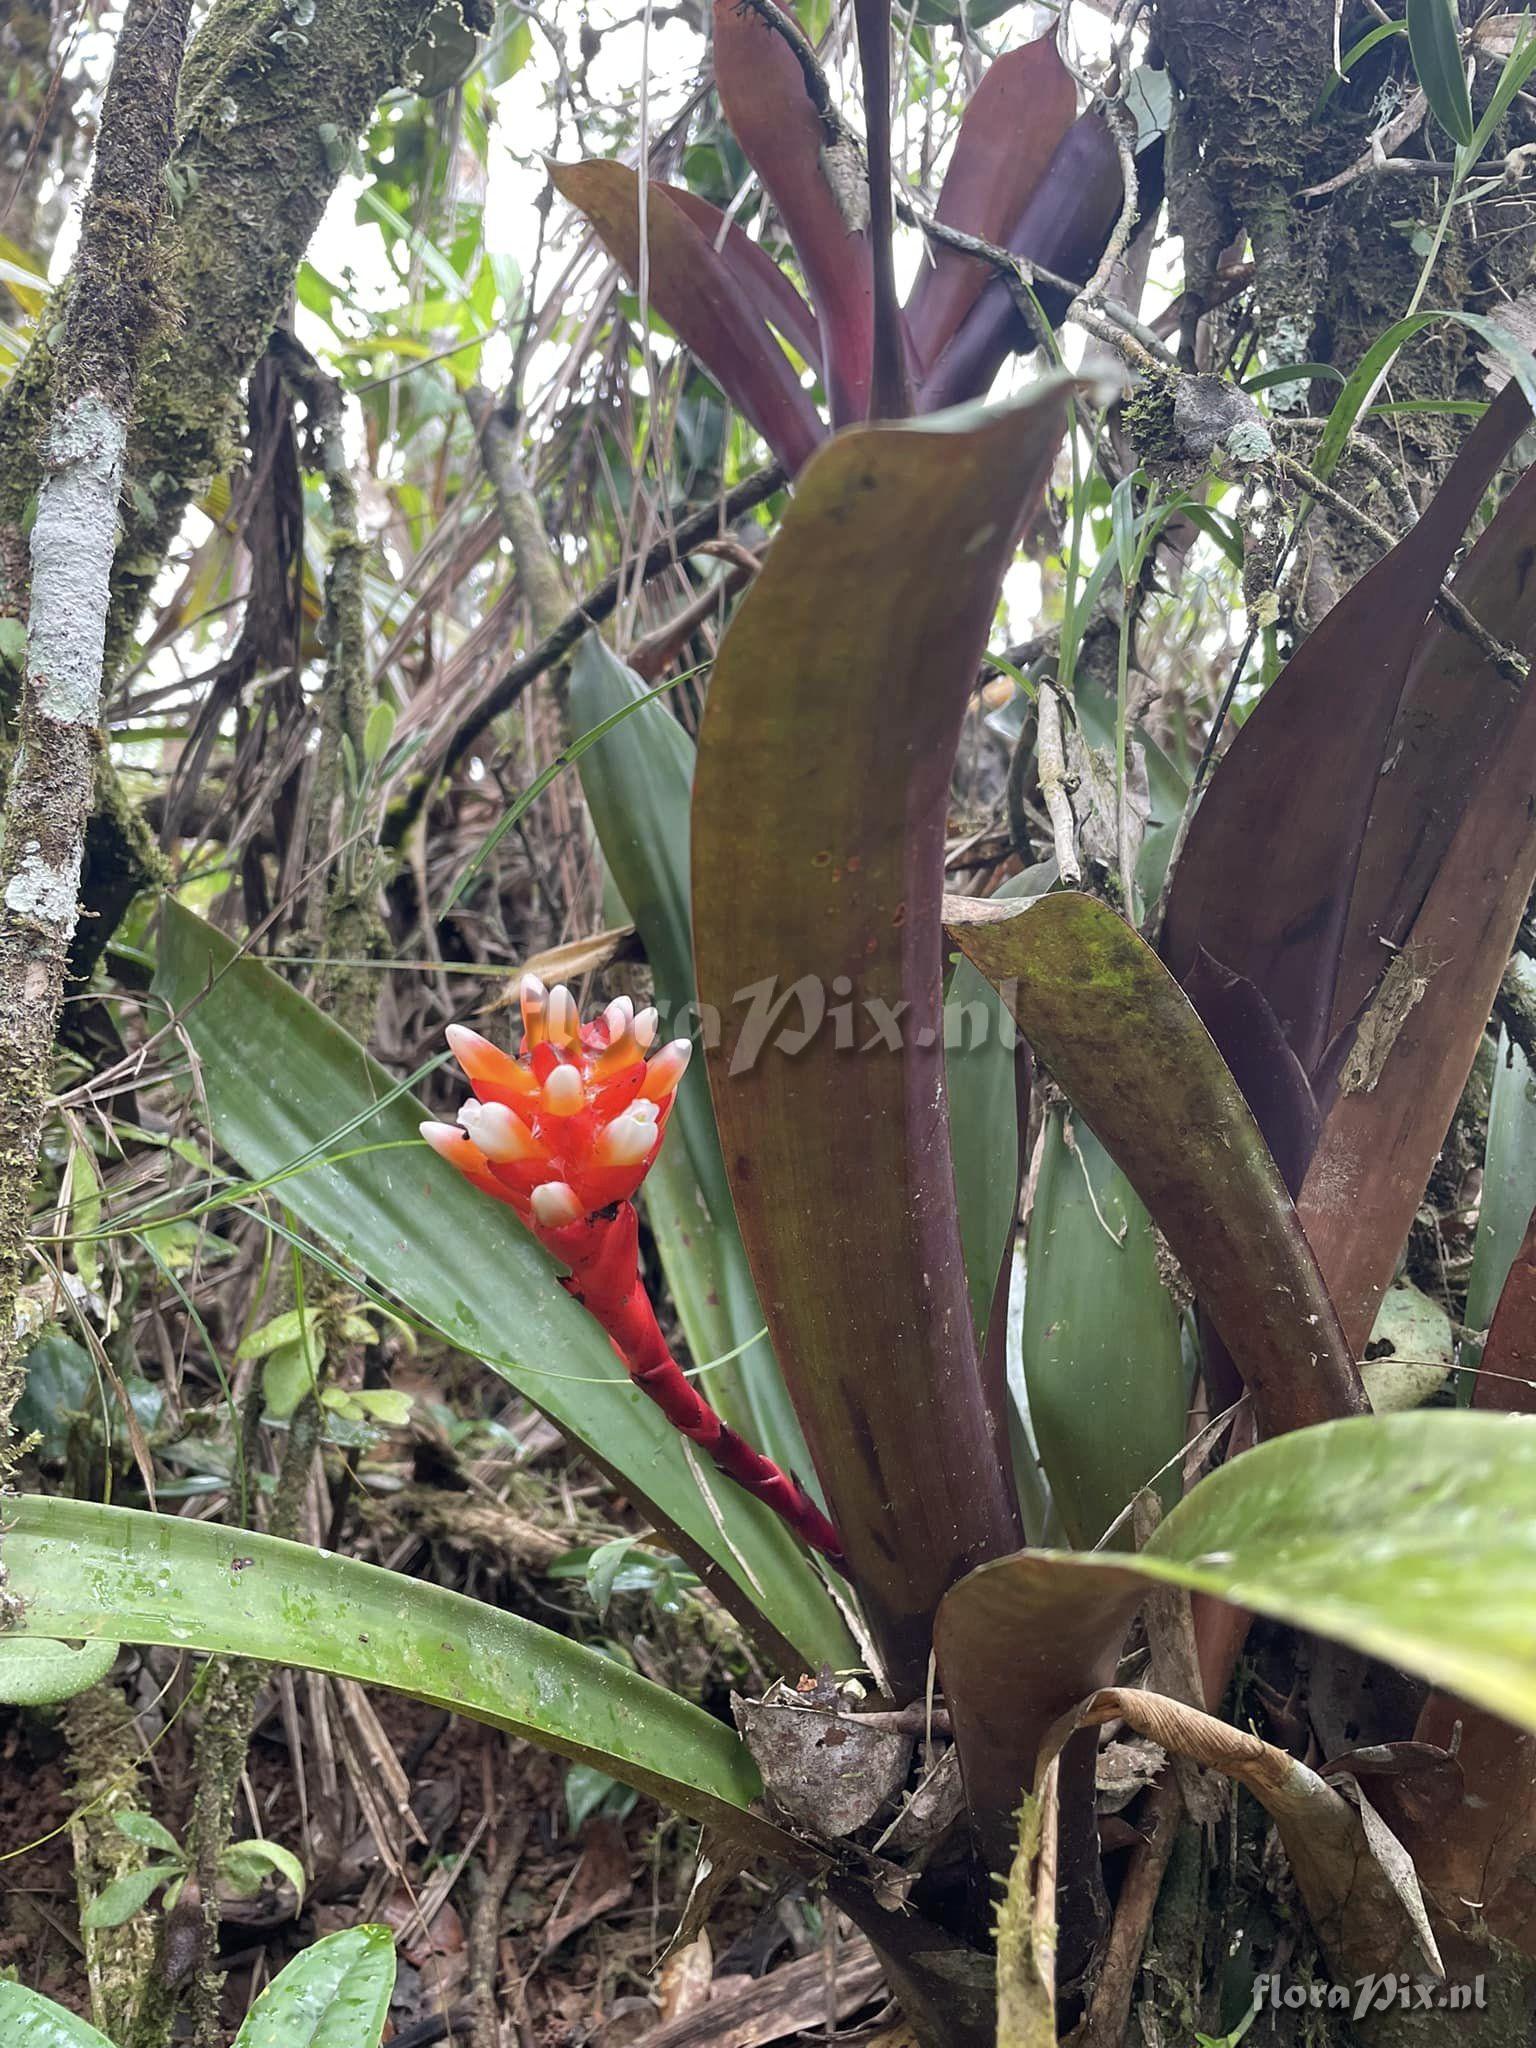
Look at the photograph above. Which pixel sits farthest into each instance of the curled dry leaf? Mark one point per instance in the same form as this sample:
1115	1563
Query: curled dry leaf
823	1766
1357	1880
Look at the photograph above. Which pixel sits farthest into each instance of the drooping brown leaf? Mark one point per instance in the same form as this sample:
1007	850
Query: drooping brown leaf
697	294
1357	1881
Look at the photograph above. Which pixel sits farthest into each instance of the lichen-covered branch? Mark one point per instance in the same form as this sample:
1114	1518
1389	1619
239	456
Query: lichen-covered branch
537	565
111	315
274	93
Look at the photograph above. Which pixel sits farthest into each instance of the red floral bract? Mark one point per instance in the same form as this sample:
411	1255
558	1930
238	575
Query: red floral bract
564	1132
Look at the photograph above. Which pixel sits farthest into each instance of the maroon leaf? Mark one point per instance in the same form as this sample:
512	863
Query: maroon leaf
1019	1643
1017	116
1267	872
817	888
1449	726
767	290
1379	1143
1506	1376
1272	1079
1064	226
700	298
763	97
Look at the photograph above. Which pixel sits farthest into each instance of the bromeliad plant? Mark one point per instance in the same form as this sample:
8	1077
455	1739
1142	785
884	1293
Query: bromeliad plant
1266	1095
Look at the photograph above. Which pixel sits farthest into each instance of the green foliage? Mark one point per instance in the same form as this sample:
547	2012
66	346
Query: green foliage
1435	45
1103	1361
27	2020
79	1569
42	1673
295	1100
334	1995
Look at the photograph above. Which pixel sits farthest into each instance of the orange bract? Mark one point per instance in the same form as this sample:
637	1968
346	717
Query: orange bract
578	1111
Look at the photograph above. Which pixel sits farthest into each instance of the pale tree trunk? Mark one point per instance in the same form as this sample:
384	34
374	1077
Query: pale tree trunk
110	318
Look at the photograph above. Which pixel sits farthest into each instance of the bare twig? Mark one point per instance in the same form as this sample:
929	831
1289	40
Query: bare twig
597	605
817	90
1018	274
1123	128
1051	754
1378	155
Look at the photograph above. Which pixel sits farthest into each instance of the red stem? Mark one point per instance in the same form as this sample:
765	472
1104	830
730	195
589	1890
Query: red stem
603	1253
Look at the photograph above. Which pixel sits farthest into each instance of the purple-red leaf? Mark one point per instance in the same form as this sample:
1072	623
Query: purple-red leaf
1379	1142
1064	226
1273	1081
1018	114
1449	727
818	841
1102	1012
701	298
1266	876
1019	1643
1506	1374
823	201
765	287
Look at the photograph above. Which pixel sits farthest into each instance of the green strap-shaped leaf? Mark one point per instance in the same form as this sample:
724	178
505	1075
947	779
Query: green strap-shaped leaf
335	1995
1438	63
1103	1364
988	1103
638	785
281	1081
1121	1037
83	1570
28	2020
1509	1183
1411	1537
39	1673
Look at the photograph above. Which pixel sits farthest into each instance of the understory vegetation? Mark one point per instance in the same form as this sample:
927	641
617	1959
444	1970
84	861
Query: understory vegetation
767	1005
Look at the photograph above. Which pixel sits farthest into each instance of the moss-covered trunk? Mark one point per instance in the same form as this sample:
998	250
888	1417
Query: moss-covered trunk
273	96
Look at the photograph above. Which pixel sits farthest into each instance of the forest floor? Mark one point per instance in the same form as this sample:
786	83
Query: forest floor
405	1815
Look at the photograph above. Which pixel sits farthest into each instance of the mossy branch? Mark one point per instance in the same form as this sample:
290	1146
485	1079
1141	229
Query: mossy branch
111	314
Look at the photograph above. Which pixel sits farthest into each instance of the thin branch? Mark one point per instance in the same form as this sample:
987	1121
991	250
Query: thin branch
817	90
597	605
1051	755
1123	128
1018	273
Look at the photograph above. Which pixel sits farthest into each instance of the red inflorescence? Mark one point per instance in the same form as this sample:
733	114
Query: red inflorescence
571	1124
565	1132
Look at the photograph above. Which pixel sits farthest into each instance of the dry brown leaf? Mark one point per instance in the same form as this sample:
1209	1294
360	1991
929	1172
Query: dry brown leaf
1358	1882
570	961
602	1881
685	1979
